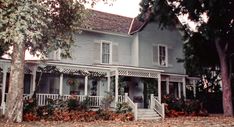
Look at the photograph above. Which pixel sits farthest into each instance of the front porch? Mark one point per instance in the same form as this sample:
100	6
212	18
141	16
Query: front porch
84	81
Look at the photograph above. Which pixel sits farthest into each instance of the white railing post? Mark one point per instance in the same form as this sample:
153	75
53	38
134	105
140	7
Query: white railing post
135	111
151	101
125	97
163	110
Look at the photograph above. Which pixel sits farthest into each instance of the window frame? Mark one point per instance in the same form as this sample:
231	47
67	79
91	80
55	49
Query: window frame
101	51
166	55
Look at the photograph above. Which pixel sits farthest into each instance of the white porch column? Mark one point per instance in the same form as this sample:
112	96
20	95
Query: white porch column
116	85
194	88
33	85
3	104
184	87
61	85
159	88
179	89
108	81
167	85
86	86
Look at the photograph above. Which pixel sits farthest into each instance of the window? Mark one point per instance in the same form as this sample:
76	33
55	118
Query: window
162	55
105	52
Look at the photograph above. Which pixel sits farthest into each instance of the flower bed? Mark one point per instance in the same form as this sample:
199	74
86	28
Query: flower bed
73	110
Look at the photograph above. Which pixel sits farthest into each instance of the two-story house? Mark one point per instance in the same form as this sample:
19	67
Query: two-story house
115	54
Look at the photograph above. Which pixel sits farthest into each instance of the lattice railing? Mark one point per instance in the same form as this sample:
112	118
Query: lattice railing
138	73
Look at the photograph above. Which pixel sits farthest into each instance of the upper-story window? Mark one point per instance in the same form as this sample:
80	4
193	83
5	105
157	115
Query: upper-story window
162	52
106	54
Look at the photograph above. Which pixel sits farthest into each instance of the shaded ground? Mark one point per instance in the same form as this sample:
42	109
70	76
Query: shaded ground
211	121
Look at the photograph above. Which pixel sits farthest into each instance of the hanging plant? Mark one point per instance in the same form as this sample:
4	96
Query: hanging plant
71	82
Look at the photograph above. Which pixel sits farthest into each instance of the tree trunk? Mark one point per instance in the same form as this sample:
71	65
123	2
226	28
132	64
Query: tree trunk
226	81
14	106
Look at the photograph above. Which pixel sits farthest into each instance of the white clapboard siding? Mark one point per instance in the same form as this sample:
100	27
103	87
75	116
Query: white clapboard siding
55	55
97	52
170	56
155	54
115	53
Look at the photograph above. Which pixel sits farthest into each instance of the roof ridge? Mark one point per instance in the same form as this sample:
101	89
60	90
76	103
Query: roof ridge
110	13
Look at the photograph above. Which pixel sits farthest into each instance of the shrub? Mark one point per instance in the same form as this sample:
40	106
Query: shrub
84	105
123	108
29	106
72	104
104	114
106	101
177	107
72	110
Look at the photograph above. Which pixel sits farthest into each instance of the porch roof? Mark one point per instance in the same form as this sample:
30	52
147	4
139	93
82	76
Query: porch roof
121	70
111	69
133	71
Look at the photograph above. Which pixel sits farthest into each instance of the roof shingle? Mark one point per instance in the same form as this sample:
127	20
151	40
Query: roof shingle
107	22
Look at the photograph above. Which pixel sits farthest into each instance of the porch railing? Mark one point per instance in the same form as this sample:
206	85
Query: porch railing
42	98
157	106
93	101
131	104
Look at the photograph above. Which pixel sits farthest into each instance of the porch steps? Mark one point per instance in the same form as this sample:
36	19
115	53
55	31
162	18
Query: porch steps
147	114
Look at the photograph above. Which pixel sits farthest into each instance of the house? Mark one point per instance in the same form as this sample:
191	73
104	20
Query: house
114	54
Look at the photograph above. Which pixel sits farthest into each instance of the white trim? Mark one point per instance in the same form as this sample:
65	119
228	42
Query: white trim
173	74
138	49
34	73
3	104
108	82
129	30
61	84
166	55
153	62
179	89
194	88
129	67
110	49
116	85
167	85
159	88
79	66
109	33
184	87
86	86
